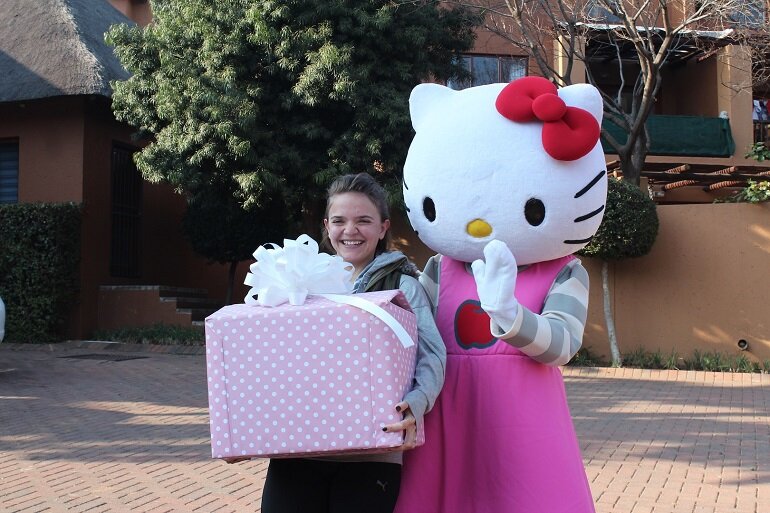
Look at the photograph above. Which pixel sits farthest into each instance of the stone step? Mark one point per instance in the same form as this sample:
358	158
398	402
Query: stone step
194	302
132	305
164	291
197	314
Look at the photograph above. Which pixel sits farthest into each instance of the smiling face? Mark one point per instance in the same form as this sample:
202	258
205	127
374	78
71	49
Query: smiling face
355	226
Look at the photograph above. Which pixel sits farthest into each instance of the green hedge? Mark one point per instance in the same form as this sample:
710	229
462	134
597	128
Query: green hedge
39	255
630	224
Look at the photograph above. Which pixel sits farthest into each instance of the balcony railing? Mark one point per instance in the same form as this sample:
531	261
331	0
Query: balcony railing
692	136
762	132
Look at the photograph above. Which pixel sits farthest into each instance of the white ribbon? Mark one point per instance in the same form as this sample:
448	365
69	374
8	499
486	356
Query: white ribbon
297	270
294	271
377	311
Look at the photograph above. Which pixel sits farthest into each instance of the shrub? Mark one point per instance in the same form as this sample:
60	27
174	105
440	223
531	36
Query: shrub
754	192
39	255
629	227
628	230
758	152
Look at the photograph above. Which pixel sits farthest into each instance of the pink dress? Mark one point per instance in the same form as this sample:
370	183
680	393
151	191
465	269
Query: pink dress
500	437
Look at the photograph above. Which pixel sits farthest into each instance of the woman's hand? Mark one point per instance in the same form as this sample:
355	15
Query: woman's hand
408	425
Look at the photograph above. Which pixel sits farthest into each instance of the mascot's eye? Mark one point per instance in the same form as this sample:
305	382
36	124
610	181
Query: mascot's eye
534	211
429	209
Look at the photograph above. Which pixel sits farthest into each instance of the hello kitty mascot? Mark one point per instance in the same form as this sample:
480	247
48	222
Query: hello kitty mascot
505	182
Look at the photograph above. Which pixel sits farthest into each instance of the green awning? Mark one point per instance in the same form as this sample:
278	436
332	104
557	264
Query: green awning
694	136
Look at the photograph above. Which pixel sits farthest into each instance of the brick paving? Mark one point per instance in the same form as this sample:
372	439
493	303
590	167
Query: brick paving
89	435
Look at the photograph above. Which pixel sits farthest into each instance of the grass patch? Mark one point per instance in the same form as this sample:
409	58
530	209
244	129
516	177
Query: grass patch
585	358
711	361
161	334
719	362
639	358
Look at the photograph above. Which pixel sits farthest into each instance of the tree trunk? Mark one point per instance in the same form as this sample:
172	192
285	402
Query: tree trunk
633	157
616	359
230	283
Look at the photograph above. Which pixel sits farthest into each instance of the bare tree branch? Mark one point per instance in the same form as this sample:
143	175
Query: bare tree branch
634	36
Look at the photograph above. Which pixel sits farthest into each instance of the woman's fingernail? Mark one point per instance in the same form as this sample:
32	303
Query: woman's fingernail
385	429
398	408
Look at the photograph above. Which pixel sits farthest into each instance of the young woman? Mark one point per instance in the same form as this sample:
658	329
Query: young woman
356	226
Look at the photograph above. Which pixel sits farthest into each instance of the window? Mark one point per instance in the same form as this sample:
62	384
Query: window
9	172
490	69
749	13
602	11
126	213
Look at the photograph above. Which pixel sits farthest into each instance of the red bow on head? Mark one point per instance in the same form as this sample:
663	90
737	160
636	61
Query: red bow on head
569	133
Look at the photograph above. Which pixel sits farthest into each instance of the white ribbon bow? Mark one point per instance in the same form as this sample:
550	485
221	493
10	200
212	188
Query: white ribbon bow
294	271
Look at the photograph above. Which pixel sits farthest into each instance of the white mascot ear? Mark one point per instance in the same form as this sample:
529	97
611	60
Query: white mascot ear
585	96
425	98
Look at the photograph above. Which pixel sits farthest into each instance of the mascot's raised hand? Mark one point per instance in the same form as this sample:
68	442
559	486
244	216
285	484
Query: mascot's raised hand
495	282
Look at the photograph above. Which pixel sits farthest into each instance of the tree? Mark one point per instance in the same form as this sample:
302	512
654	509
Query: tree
275	98
628	230
220	229
639	38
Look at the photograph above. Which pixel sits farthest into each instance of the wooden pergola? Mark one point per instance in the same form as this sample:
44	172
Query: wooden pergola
697	183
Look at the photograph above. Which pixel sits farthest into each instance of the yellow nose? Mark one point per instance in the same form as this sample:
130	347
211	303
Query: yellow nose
478	228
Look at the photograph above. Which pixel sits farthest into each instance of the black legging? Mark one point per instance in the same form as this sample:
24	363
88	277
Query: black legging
313	486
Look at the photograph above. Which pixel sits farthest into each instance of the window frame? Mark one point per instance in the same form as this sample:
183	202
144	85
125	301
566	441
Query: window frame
468	64
14	143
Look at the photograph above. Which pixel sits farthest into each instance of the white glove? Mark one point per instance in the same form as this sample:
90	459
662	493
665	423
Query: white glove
495	282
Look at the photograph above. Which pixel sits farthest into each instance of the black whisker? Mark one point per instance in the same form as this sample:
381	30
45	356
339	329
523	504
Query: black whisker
591	184
589	215
404	182
581	241
407	209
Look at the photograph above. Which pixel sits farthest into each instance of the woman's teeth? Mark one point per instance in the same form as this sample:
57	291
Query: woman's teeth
352	242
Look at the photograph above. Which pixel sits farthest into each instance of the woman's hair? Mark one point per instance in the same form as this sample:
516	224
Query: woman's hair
365	184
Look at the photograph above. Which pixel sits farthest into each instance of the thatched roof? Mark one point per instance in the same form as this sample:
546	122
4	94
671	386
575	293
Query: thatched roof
56	48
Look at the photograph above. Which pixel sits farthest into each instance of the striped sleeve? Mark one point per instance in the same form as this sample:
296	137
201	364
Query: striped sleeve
554	336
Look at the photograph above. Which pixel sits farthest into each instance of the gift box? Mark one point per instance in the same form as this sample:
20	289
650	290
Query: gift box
318	378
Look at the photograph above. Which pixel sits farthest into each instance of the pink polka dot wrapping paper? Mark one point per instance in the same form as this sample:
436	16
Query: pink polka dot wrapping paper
319	378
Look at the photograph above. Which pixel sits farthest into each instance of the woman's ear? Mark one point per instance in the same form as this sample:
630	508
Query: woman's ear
385	228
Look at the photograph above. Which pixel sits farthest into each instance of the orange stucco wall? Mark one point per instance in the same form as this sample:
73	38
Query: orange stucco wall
50	135
137	10
166	257
680	97
703	286
65	147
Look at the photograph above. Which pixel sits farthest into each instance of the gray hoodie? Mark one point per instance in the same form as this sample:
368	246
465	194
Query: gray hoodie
431	351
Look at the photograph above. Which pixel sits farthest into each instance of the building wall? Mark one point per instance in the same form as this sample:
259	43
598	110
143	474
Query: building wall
65	149
50	135
703	286
137	10
166	257
681	98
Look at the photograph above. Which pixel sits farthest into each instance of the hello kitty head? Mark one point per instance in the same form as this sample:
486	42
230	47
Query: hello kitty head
518	162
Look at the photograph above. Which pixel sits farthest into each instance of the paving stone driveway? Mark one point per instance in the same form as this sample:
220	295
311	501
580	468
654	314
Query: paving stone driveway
86	434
